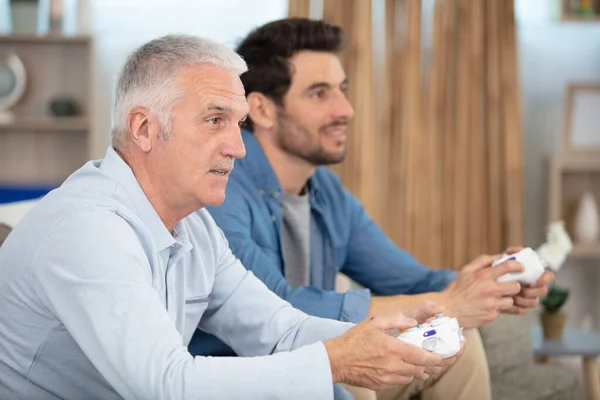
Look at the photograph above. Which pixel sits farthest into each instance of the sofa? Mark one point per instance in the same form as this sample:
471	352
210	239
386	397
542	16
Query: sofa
515	374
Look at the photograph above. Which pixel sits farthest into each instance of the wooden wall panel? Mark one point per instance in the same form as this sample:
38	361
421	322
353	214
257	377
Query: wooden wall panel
299	8
494	125
513	146
449	159
412	149
397	189
476	194
461	144
436	111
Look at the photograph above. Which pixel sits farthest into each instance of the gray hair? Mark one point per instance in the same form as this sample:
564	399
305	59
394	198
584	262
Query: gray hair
148	78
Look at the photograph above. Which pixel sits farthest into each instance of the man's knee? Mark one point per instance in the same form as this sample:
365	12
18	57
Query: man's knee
469	374
361	393
474	356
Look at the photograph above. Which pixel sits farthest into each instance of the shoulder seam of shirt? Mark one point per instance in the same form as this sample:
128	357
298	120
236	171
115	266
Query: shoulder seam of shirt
37	252
37	350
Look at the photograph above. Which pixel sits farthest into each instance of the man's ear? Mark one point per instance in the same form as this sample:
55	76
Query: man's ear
144	128
262	110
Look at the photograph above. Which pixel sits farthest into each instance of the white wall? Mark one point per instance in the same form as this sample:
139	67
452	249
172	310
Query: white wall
119	26
552	54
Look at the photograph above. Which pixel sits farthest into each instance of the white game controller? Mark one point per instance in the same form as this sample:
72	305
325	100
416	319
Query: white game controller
551	255
442	336
533	266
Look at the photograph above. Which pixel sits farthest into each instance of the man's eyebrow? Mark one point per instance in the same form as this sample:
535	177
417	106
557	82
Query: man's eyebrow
324	85
318	85
215	107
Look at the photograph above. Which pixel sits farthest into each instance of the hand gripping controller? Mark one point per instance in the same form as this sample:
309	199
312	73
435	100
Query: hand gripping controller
533	266
551	255
442	336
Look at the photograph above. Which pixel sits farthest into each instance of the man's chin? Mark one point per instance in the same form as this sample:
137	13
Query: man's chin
214	201
331	159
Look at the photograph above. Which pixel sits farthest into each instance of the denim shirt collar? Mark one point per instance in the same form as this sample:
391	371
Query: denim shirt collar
262	172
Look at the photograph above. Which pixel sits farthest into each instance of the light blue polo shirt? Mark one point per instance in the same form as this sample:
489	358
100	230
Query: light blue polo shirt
98	300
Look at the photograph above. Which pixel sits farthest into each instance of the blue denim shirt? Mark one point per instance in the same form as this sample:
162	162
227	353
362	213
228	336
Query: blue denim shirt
343	239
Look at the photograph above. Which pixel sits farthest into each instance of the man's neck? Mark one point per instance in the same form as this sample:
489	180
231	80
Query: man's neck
292	172
164	209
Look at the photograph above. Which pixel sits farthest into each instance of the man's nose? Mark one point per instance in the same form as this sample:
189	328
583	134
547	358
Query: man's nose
234	146
343	109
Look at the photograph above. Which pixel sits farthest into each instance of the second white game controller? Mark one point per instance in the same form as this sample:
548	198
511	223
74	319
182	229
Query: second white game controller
550	255
533	266
442	336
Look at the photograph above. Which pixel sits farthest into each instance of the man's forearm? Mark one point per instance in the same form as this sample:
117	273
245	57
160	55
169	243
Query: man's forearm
401	303
315	329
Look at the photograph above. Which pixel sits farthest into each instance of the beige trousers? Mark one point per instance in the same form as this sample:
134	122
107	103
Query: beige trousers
467	379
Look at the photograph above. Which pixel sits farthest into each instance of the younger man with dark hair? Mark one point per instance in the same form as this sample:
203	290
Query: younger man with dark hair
290	221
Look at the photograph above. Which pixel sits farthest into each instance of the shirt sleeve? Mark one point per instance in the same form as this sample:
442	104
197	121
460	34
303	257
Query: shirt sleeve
234	217
94	276
356	305
238	293
374	261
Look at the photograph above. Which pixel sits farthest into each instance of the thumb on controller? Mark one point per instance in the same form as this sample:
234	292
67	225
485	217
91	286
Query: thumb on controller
481	262
391	322
423	312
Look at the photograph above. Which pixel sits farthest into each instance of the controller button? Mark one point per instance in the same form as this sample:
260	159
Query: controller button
431	344
430	333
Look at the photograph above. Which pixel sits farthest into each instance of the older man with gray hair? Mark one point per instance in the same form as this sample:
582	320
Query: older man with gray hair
105	281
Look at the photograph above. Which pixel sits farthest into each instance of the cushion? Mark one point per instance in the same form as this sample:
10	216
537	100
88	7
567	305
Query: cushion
507	343
537	382
12	213
4	231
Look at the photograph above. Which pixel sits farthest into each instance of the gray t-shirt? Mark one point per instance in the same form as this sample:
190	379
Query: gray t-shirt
295	239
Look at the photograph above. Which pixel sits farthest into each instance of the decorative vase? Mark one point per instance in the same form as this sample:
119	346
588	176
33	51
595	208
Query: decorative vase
553	324
63	107
587	224
56	16
70	23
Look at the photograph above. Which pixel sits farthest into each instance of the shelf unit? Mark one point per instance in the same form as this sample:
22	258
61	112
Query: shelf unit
52	38
569	15
47	124
36	147
570	176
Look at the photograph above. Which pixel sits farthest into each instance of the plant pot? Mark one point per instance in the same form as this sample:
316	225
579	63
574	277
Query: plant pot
553	324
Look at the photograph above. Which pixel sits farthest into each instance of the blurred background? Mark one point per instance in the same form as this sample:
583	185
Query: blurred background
476	121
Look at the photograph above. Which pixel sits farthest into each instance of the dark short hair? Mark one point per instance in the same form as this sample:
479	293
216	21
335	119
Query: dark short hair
267	51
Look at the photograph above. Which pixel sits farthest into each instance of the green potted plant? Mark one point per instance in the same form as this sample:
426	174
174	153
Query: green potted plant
553	319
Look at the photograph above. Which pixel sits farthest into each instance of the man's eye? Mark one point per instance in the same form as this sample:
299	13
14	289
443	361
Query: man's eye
319	94
214	121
